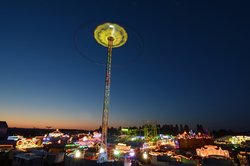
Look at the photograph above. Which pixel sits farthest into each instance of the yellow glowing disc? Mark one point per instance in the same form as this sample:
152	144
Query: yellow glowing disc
106	30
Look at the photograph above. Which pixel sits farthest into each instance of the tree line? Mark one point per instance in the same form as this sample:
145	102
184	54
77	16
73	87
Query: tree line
161	129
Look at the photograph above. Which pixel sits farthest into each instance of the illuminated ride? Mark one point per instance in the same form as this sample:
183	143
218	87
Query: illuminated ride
56	133
211	150
233	140
55	137
89	140
109	35
192	135
26	143
148	146
85	142
122	150
167	144
83	146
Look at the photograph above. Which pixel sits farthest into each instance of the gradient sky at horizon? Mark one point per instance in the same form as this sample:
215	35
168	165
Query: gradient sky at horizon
194	68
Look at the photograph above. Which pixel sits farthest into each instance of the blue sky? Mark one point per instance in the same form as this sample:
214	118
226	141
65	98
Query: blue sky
194	67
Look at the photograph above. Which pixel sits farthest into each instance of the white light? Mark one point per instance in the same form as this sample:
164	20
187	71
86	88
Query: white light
132	154
111	26
116	152
145	155
77	154
101	150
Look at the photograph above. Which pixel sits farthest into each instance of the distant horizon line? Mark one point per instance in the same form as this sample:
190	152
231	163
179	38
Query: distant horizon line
234	131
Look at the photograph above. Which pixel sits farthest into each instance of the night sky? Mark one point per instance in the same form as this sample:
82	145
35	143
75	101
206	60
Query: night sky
185	62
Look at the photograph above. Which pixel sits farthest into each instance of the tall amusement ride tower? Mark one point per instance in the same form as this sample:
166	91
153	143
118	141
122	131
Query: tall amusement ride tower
109	35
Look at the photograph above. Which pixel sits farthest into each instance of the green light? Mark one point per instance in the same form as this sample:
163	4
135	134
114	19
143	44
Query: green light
70	145
133	139
125	130
83	147
116	152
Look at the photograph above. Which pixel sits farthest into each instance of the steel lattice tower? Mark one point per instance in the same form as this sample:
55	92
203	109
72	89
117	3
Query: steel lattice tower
111	36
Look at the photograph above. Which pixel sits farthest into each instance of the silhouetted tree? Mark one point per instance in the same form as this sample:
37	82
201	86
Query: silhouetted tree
171	129
199	128
222	132
186	128
176	129
181	128
120	128
158	127
165	129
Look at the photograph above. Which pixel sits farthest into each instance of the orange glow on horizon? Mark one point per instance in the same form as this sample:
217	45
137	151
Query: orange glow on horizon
27	118
33	117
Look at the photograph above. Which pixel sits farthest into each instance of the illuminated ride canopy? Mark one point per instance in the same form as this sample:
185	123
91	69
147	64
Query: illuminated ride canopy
55	137
104	31
211	150
56	133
